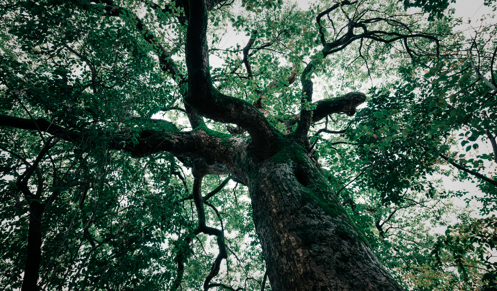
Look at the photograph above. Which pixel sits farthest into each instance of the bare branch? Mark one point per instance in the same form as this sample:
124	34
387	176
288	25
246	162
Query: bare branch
325	130
327	12
476	174
212	193
199	205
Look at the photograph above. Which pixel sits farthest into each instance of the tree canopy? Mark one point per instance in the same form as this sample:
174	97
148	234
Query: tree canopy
133	139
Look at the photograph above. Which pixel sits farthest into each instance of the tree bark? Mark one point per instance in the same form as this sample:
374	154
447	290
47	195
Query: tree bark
308	241
31	272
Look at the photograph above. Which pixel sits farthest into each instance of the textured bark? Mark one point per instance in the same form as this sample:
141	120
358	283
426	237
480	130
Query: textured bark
31	272
308	241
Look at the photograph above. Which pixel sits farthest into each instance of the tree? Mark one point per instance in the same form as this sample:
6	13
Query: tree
102	178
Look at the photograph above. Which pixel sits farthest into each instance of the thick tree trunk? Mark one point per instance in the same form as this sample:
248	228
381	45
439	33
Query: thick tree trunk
308	241
31	273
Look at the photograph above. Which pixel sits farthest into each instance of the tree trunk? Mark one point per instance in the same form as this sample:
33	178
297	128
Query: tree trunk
34	247
308	241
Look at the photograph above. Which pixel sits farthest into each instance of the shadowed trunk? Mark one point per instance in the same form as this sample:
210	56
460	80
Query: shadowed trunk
308	241
31	273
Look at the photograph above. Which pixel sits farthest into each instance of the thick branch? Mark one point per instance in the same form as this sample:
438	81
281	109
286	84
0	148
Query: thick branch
263	285
196	143
305	113
22	181
197	56
345	104
209	102
166	62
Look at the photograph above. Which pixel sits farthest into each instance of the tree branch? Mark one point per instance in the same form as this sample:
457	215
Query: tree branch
199	205
264	281
345	104
476	174
209	102
246	50
212	193
491	137
481	77
191	144
325	130
305	111
166	62
327	12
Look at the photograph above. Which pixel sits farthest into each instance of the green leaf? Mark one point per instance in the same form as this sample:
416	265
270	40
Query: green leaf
473	137
378	115
464	77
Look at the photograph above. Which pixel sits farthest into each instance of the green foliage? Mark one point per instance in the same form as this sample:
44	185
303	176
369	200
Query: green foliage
117	223
435	8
